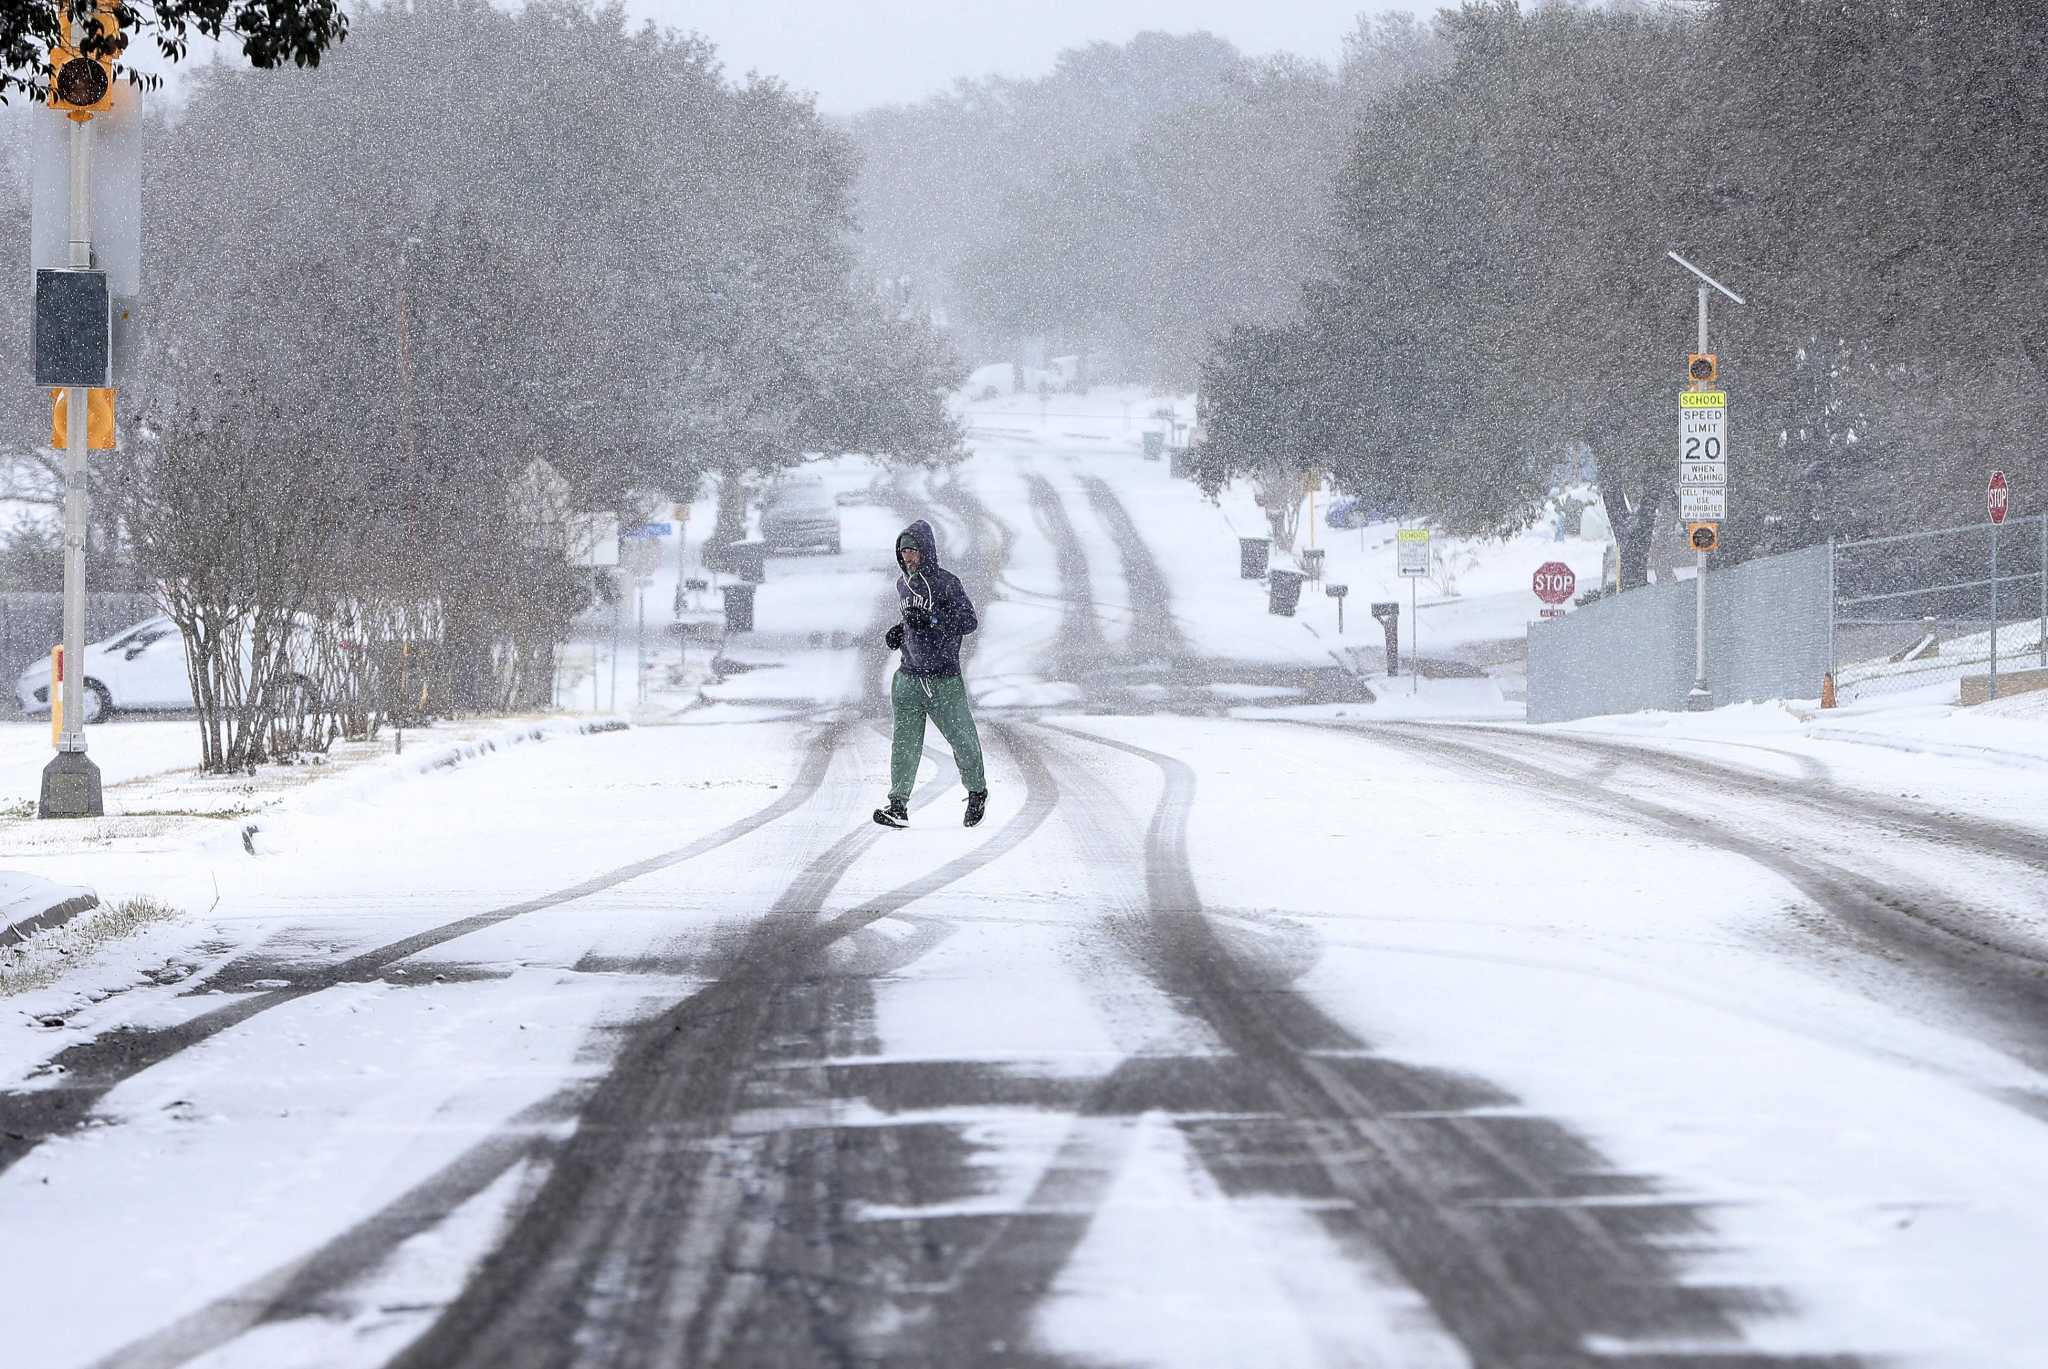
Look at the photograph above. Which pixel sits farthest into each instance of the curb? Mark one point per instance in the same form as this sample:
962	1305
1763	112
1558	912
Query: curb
55	915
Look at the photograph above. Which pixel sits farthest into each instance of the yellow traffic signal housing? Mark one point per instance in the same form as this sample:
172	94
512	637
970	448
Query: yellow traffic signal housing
1702	368
83	86
99	420
1703	536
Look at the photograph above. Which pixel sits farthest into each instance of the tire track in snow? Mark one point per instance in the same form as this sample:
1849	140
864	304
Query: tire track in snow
2018	844
989	550
1154	632
301	1286
307	1285
1502	1309
94	1068
1080	649
1485	1218
2002	986
799	1289
616	1258
711	1041
1155	669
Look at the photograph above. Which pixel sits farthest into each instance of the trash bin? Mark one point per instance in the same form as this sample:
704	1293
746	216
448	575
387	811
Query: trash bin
1180	465
739	607
749	560
1312	562
1284	592
1155	445
1252	556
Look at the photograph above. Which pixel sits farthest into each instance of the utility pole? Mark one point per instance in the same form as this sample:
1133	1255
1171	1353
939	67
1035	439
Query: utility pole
1703	453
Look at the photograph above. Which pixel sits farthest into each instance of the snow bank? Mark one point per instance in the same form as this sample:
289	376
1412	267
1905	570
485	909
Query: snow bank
2010	732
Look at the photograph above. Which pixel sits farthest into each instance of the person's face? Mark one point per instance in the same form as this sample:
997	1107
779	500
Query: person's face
911	558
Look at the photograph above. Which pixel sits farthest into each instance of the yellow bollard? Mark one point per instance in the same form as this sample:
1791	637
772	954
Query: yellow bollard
56	696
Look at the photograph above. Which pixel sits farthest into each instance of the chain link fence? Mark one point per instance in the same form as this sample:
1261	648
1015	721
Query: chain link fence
1925	610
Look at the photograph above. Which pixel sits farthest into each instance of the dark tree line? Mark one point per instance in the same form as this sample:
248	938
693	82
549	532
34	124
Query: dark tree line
1870	174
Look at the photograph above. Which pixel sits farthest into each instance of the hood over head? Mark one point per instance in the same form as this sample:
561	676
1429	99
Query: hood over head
919	535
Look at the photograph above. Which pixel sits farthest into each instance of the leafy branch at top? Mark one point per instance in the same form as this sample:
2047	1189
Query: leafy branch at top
272	32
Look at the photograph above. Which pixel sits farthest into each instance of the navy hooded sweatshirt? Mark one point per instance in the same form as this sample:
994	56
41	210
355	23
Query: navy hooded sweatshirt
934	651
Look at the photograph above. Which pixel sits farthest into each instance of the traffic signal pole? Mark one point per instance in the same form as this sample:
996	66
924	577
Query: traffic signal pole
71	782
74	459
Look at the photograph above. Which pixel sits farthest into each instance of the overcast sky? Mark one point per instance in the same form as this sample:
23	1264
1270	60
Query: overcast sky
857	53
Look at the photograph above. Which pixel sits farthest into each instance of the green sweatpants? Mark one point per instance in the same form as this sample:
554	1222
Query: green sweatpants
944	701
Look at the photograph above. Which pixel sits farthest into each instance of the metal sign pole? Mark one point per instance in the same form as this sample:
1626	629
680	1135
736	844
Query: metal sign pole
71	782
74	463
1994	610
1415	641
1702	698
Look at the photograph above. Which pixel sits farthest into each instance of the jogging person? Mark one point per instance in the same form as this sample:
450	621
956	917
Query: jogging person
936	615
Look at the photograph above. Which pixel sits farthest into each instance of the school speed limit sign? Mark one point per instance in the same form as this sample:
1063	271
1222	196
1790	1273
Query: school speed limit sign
1703	437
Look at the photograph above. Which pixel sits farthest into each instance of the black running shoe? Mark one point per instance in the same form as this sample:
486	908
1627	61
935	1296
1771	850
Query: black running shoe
897	814
977	804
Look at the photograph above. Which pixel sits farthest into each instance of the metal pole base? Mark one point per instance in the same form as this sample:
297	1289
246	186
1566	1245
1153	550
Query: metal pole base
71	788
1699	701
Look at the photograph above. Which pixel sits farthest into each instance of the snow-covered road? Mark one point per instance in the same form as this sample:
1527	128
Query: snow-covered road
1224	1041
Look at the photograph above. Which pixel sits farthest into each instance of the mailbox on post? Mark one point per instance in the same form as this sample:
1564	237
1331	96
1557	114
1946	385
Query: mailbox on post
1338	592
1389	613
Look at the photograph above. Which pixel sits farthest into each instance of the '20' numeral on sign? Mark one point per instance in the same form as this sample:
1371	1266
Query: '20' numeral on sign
1694	449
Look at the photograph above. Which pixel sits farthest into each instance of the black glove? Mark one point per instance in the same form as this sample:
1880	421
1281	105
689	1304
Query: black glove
919	618
894	637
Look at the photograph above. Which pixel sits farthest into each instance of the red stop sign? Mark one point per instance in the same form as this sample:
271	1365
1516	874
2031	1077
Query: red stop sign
1994	498
1554	582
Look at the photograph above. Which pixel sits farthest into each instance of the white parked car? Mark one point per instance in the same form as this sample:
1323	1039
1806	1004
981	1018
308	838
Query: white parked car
139	667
